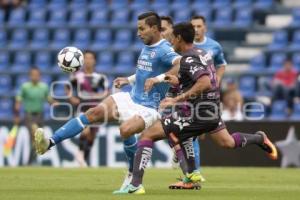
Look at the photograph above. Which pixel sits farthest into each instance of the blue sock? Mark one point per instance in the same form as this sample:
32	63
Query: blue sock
70	129
130	147
197	153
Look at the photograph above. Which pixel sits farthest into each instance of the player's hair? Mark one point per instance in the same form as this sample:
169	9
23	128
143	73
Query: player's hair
91	52
152	19
167	18
185	30
199	17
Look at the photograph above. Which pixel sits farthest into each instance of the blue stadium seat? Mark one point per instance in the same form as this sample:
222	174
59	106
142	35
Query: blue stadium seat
258	63
21	79
296	18
179	4
46	79
119	17
137	44
296	112
58	18
58	4
243	18
277	60
40	39
119	4
139	4
279	42
134	16
182	15
157	4
99	17
296	60
3	38
42	59
78	4
125	62
105	62
122	39
257	112
247	86
61	38
6	109
19	39
78	18
295	44
243	4
201	5
223	18
17	17
5	84
163	11
99	5
82	38
22	62
207	13
37	4
4	61
37	17
102	39
2	16
278	110
46	113
221	4
263	4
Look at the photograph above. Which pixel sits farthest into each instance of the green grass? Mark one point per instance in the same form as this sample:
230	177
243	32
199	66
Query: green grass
98	184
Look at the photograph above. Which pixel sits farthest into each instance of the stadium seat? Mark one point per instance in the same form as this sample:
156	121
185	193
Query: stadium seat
4	61
296	112
78	4
207	13
278	110
119	4
47	114
37	4
139	4
82	38
19	39
2	18
37	17
223	18
221	4
57	4
277	60
122	39
98	5
243	4
163	11
243	18
102	39
21	79
78	18
3	38
279	42
257	112
119	17
137	44
125	62
182	15
40	39
58	18
17	17
6	109
99	17
179	5
247	86
61	38
5	85
296	18
105	62
22	62
295	44
263	4
258	63
157	4
201	5
134	16
296	60
42	60
46	79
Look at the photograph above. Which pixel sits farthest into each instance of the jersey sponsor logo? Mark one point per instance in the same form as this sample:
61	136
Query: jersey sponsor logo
152	54
194	69
144	65
181	123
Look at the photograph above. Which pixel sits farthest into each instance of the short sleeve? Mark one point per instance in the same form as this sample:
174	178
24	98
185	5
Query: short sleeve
219	58
169	56
103	82
193	67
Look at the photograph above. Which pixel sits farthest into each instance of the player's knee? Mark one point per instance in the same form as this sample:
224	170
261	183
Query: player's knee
95	114
125	131
226	143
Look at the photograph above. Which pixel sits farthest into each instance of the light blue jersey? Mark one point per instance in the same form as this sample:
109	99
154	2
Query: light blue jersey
214	48
154	60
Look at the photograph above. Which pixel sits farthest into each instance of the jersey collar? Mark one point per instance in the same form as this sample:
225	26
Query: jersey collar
201	43
156	44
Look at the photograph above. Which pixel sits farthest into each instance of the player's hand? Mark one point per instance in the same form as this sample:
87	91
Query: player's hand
173	80
120	82
167	102
150	82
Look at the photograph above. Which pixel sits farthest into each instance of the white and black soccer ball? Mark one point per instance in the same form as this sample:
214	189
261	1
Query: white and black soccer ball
70	59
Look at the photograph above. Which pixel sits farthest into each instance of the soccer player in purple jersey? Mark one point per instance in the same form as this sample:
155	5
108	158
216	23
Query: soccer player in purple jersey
193	109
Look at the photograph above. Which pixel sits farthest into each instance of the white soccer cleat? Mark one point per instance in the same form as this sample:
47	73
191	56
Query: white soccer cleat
127	180
41	142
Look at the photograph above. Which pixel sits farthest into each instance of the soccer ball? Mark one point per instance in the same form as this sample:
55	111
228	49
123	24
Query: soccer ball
70	59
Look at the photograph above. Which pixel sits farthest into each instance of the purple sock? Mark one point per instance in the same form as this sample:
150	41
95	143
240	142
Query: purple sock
141	159
244	139
182	161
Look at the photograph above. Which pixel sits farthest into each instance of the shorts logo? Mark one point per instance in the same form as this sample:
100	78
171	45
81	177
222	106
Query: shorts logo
181	123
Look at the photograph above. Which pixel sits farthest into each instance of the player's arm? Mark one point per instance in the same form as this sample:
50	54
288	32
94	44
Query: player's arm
17	106
220	63
122	81
220	72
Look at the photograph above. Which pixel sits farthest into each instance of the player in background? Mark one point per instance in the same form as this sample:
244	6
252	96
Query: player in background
88	89
194	109
167	33
136	110
32	96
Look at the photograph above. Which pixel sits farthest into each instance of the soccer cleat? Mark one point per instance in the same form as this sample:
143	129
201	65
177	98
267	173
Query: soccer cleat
268	146
126	182
181	185
194	177
130	189
41	142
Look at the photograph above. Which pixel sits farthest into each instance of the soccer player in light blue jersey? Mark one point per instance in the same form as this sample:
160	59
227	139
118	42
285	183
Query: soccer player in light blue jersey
136	110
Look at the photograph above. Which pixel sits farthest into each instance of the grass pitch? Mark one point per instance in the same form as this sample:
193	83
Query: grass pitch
98	184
